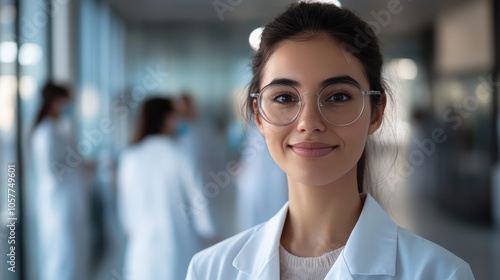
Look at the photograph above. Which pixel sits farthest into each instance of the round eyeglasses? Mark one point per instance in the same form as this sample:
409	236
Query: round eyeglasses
339	104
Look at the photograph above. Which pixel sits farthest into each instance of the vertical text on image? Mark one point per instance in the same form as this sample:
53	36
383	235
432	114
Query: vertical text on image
11	220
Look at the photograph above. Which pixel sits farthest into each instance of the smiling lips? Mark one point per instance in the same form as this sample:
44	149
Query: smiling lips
312	149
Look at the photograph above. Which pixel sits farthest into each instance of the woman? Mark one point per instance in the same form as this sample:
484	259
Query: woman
62	196
317	94
162	210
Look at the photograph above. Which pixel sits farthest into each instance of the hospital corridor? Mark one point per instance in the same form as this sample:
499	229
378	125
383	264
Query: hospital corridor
136	134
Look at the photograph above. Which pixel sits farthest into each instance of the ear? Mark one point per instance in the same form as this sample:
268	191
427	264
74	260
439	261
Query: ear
258	120
377	115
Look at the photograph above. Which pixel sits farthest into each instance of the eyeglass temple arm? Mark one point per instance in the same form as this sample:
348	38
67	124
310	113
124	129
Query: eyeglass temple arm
372	92
254	94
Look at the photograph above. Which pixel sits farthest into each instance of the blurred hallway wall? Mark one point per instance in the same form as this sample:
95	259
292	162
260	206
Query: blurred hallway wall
207	59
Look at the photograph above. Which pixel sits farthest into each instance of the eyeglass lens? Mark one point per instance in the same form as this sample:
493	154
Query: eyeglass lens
340	104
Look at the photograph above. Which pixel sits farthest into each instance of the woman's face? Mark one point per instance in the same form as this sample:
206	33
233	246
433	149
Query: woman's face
170	123
294	147
58	105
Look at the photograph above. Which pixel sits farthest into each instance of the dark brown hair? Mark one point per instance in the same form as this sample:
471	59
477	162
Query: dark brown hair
305	21
152	117
50	93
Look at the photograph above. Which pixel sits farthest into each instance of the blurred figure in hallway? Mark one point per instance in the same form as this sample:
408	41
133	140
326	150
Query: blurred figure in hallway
262	185
63	197
206	148
162	209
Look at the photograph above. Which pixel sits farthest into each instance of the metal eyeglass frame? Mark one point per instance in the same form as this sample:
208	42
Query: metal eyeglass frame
258	95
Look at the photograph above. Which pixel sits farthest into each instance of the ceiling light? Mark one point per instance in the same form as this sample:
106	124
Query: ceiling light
254	38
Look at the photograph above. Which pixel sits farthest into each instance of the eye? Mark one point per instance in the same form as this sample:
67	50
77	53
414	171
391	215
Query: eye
339	97
285	98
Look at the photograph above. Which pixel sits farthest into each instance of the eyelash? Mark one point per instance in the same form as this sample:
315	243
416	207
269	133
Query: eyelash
340	93
281	94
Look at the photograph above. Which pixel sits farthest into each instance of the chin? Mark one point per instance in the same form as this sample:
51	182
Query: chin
314	176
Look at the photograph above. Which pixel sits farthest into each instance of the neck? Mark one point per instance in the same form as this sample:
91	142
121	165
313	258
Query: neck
320	218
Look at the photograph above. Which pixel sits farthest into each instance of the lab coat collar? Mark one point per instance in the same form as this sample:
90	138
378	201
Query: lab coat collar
370	249
156	140
259	257
372	246
157	137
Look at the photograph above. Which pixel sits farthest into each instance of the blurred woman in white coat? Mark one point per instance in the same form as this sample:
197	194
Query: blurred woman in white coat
161	202
62	194
317	96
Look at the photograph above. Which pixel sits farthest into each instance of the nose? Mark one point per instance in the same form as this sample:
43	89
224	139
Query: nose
310	118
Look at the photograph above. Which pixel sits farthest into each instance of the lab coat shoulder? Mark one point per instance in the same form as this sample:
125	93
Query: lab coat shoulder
216	261
151	150
44	138
427	260
126	164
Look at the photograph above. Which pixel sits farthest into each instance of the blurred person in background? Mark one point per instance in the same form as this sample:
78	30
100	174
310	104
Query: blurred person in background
261	184
206	148
62	194
161	207
317	95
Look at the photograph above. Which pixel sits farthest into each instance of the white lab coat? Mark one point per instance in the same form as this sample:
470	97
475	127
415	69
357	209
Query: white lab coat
376	249
262	184
62	204
162	208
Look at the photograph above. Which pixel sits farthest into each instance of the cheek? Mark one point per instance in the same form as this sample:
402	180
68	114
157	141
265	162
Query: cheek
355	135
275	138
355	143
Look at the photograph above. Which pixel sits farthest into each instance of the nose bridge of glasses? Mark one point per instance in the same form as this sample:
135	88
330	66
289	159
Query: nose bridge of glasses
312	103
312	98
307	92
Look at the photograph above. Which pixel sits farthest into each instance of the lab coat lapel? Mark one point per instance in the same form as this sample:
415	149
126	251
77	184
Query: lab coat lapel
372	246
370	249
259	257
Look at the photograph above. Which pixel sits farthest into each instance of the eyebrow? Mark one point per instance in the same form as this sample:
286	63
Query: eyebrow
345	79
